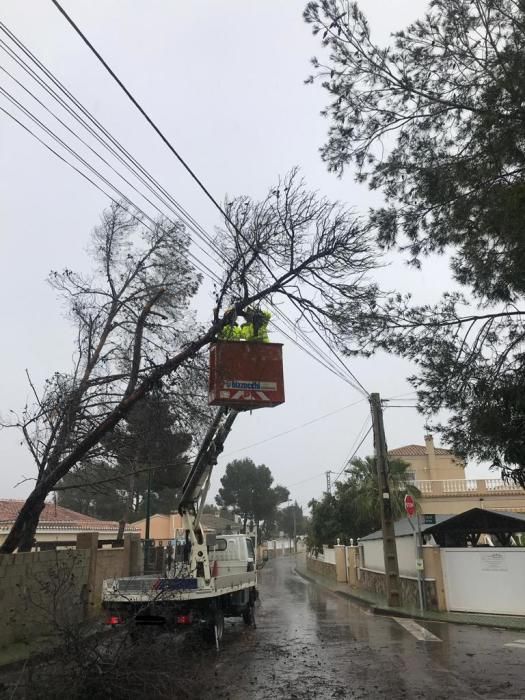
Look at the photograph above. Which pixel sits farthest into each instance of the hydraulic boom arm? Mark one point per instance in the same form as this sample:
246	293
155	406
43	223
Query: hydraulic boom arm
196	487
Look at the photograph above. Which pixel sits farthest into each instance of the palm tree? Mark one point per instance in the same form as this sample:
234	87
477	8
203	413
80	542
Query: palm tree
358	497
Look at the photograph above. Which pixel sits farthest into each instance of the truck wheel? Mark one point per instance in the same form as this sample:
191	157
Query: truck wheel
248	615
214	630
218	625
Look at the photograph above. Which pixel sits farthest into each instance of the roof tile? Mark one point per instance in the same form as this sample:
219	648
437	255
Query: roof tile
55	517
416	451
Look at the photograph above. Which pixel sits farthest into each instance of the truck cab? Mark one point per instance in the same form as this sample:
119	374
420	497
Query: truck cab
232	554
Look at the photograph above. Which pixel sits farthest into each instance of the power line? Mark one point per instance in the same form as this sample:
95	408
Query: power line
401	396
303	481
390	405
297	427
318	356
352	453
125	159
175	153
200	266
356	450
180	211
134	188
141	110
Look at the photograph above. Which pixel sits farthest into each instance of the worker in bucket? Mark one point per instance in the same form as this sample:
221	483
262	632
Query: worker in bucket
254	329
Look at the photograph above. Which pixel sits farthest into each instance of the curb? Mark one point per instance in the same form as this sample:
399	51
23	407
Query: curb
344	594
414	615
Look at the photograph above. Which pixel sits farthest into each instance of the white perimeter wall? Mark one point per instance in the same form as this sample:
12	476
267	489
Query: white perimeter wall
485	579
328	555
406	555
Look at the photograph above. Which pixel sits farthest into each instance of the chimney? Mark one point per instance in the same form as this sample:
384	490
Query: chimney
431	454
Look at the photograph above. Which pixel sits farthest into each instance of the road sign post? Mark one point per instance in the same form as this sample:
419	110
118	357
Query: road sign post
410	507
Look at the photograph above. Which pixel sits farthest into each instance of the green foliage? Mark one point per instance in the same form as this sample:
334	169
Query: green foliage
247	489
254	329
354	510
435	122
291	520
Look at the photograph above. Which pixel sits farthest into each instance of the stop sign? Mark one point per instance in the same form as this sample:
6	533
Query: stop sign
410	505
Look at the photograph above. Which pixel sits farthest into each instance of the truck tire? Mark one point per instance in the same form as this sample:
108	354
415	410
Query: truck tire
216	622
248	615
219	625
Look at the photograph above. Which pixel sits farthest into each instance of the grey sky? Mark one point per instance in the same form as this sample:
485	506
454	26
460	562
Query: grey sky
224	80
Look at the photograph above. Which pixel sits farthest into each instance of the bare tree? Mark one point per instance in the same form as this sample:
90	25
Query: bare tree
135	329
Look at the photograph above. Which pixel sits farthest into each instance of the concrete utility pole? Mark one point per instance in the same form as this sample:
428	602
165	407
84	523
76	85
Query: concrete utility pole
393	590
295	528
328	483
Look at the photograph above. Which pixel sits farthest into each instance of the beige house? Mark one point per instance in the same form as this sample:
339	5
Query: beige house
163	527
440	477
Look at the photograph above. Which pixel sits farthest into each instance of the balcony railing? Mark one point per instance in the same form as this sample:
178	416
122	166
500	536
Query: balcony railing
466	487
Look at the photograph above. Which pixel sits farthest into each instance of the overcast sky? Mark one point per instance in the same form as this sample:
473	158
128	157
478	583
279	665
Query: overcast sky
224	80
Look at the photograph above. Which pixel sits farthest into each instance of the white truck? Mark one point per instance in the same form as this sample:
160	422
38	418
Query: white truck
206	577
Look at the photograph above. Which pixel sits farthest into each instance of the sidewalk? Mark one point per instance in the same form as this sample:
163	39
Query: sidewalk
376	604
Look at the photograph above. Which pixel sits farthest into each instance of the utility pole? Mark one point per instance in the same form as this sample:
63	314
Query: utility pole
295	528
328	483
147	555
393	591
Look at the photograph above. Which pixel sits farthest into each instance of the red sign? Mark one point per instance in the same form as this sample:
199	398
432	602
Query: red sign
410	505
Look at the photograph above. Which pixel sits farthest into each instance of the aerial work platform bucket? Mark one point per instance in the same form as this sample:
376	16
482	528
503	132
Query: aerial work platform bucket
246	375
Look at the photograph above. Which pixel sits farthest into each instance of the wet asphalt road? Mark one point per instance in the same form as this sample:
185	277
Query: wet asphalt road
311	643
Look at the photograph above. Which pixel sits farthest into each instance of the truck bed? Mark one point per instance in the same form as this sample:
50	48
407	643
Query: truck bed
144	589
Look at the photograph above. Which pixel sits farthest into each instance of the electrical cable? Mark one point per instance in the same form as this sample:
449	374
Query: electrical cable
352	455
173	150
401	396
353	451
135	189
135	168
297	427
318	355
200	266
390	405
303	481
180	213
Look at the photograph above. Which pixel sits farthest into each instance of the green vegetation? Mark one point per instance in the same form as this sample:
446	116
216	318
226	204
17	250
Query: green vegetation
247	489
353	511
434	121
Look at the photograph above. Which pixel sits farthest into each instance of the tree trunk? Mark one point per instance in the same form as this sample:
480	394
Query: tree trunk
128	508
23	531
22	534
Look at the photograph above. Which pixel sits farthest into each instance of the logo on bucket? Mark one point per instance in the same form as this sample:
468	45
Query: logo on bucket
249	385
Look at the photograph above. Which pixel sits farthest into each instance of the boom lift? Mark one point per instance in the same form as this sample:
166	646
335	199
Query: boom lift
193	589
195	490
207	577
